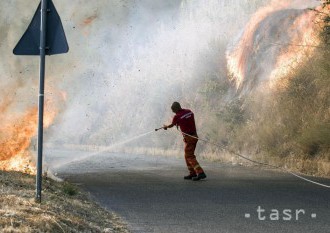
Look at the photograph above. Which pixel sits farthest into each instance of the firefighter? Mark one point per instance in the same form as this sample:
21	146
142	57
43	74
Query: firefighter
184	118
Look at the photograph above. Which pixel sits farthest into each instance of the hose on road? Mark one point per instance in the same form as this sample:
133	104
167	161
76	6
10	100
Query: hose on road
256	162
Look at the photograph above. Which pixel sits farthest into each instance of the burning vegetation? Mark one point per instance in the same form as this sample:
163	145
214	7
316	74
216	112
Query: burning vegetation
15	141
278	67
280	116
275	41
17	132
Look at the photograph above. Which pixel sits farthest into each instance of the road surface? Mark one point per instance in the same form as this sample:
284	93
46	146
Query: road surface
149	192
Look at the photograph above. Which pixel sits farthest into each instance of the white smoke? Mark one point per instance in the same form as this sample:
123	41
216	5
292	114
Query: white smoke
134	59
128	60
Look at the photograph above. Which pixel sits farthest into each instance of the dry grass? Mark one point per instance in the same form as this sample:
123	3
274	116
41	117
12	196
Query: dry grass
287	124
64	208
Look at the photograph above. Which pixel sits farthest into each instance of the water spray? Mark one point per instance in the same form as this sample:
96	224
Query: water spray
201	139
106	149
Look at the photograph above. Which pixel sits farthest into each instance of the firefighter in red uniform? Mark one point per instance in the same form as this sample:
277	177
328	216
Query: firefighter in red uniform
184	118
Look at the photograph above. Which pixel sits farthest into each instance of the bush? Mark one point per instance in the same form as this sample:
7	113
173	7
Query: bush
69	189
315	139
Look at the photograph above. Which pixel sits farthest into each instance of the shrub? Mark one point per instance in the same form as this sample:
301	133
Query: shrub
69	189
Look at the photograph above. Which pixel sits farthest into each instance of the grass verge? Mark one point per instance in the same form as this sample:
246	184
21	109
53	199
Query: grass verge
64	208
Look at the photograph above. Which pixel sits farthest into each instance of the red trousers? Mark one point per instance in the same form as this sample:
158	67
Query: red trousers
189	150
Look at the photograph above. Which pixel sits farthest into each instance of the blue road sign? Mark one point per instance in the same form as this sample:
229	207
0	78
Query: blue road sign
56	42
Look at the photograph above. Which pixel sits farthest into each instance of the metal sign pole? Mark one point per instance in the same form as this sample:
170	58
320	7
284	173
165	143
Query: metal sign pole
45	29
41	95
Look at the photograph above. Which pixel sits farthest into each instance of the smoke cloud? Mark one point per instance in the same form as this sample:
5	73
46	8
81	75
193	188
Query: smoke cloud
128	61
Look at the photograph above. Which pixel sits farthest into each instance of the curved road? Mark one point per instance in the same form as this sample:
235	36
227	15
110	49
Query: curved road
150	194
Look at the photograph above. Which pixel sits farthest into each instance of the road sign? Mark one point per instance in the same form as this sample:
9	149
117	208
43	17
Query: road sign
45	35
56	42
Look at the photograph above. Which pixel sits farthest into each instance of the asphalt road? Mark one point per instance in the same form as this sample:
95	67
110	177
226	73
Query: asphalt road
149	192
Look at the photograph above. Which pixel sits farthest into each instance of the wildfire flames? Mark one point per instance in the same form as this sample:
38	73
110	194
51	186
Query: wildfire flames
16	135
15	140
274	42
302	46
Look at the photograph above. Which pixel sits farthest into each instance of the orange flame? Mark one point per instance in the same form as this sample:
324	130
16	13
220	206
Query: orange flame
16	136
301	47
303	41
15	140
89	20
236	59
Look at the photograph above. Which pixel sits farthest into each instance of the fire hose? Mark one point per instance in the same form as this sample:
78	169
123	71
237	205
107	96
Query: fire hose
253	161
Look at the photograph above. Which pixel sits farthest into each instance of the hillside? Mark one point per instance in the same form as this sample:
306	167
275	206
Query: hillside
288	125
